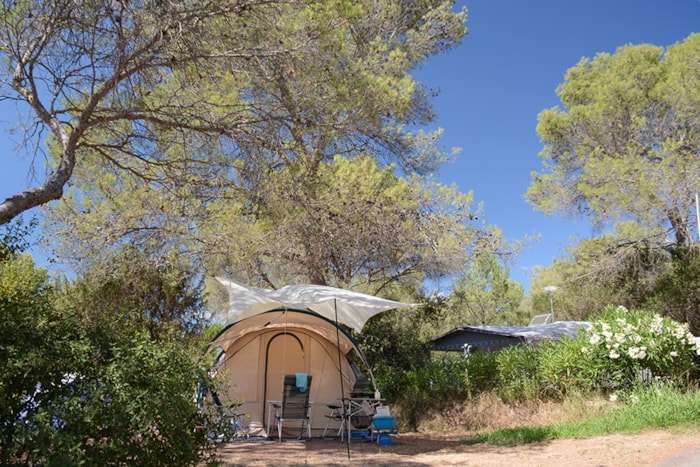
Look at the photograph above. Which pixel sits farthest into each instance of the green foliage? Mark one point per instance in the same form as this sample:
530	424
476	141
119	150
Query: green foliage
393	340
623	267
623	354
484	294
90	385
161	292
28	345
300	131
677	291
625	146
291	134
342	222
481	373
558	367
517	373
423	389
622	350
13	237
129	400
437	386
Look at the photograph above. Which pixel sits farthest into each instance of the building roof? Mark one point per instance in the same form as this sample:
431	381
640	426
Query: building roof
486	336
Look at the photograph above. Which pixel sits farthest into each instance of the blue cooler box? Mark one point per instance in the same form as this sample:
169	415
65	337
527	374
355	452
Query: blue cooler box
384	422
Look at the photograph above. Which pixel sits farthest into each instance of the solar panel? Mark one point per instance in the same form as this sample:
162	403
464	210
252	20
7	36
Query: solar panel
541	319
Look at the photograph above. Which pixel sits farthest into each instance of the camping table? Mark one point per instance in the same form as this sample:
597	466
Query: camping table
357	405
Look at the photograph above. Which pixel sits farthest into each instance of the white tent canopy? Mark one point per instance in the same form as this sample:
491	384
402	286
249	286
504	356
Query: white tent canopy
350	308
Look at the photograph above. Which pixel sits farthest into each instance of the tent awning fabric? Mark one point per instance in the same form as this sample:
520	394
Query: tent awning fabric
350	308
288	319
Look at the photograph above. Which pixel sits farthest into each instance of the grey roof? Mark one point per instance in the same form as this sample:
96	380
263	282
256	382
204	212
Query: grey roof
528	334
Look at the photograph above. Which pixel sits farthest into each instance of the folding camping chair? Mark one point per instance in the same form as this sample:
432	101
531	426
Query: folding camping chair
337	414
356	411
225	422
295	403
361	389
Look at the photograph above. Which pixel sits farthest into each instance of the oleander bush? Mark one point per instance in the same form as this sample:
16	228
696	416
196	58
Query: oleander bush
624	349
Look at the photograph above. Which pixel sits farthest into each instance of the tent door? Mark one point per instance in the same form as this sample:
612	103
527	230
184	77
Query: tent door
284	356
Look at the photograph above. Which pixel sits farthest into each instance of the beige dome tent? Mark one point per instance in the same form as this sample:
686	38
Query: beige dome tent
271	333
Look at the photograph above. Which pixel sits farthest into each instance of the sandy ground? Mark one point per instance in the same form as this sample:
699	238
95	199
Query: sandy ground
653	448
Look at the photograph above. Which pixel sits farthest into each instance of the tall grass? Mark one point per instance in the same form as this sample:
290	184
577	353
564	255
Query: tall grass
644	409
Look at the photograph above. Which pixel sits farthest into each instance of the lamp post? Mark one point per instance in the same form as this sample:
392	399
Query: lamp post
550	289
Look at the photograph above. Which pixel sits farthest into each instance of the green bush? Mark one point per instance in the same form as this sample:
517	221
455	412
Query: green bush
559	367
625	348
82	388
481	373
517	372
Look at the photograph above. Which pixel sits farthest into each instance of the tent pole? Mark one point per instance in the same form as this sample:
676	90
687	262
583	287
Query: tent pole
340	372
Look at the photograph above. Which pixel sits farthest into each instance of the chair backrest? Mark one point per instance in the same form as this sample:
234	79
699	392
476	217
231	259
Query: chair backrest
295	403
361	389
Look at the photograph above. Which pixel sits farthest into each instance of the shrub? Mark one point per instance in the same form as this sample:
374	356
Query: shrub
78	387
624	348
559	367
517	372
481	373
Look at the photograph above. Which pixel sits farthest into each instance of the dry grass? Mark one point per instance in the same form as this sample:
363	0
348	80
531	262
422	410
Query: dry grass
487	412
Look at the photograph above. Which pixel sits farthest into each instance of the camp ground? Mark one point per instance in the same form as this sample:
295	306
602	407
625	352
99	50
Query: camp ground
294	330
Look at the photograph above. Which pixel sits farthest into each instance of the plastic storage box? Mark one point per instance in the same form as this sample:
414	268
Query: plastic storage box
384	422
384	440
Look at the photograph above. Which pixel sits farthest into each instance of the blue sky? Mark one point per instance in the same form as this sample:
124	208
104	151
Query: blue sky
505	72
492	87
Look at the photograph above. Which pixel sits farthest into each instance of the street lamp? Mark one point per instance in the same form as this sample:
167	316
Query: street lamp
550	289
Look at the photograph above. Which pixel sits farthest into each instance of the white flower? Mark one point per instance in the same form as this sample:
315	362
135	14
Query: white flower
637	352
678	332
584	350
621	308
656	326
613	397
634	399
621	321
619	337
614	354
595	339
674	353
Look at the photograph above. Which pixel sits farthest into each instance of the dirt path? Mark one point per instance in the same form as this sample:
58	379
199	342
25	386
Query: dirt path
653	448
